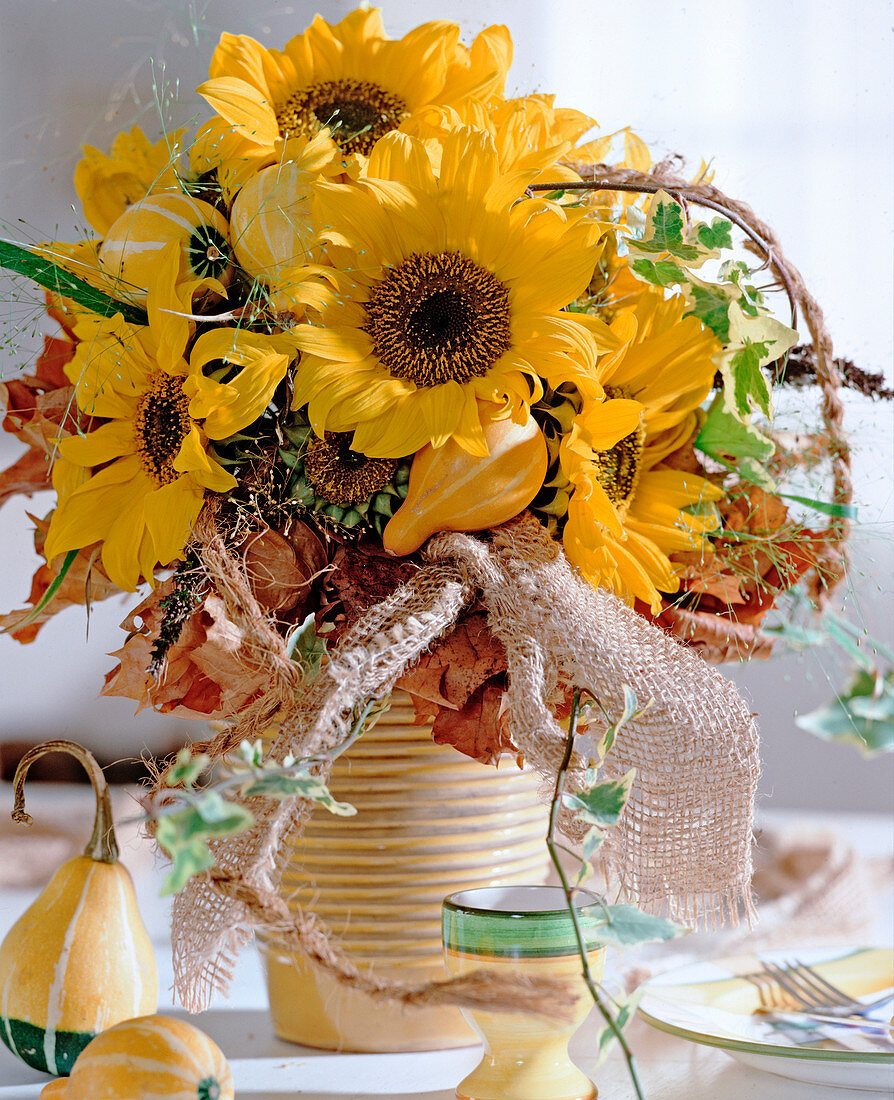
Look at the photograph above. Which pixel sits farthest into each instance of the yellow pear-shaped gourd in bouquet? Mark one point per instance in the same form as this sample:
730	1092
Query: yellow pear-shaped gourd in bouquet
130	252
79	959
452	490
150	1056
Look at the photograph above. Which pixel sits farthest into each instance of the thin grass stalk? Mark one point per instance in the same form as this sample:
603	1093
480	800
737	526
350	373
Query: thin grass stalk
553	847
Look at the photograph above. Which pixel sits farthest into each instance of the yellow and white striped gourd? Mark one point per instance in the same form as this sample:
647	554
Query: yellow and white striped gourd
271	226
130	252
79	959
152	1056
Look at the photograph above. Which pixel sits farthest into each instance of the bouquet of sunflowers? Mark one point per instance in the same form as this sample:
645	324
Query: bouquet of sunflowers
373	299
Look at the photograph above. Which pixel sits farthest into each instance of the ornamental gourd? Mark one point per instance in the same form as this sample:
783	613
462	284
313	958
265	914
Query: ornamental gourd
271	223
79	959
133	245
451	490
152	1056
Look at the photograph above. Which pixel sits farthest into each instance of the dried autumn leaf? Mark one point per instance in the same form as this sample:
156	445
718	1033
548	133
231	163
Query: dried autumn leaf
704	574
39	409
457	667
202	676
755	511
85	582
278	579
475	729
715	637
29	474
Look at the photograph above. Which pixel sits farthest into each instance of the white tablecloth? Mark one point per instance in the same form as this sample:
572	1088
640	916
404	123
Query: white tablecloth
265	1068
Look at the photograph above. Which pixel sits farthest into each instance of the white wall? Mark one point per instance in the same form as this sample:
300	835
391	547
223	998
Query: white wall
793	102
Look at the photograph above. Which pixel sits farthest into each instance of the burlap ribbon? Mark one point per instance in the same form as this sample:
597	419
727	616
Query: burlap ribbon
683	842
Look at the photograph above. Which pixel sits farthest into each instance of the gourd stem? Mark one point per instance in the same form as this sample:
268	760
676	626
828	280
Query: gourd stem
102	845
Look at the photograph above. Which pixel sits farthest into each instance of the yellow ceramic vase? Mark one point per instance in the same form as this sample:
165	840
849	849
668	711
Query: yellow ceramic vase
429	822
526	931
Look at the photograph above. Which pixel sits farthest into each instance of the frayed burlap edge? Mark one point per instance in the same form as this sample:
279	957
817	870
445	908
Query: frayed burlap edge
683	843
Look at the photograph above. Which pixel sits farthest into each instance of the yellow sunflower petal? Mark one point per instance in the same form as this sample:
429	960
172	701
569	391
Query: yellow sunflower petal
170	513
245	107
85	516
605	423
106	442
194	460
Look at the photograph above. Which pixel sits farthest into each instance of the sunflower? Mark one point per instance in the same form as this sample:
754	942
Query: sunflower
627	511
444	291
137	482
349	79
108	183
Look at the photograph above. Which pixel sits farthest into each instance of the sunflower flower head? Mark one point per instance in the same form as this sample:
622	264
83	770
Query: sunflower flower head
136	483
341	485
348	79
627	510
445	292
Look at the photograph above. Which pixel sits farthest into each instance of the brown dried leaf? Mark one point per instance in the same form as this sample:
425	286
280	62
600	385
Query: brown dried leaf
202	676
271	565
29	474
84	582
704	574
39	409
717	638
457	667
475	729
364	575
755	511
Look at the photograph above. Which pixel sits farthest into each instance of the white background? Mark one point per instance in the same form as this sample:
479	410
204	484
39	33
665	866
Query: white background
792	103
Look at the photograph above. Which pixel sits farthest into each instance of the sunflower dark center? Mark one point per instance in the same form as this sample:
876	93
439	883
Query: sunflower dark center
342	476
161	425
357	112
618	468
438	317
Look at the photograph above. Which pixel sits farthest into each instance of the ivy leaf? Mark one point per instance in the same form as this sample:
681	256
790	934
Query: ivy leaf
725	437
667	231
184	835
215	816
298	783
715	236
863	715
749	385
661	273
187	768
306	647
602	803
188	858
626	1006
251	753
626	925
592	842
664	230
710	304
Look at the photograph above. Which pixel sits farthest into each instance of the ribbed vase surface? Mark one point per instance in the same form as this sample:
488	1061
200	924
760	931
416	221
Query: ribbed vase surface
429	822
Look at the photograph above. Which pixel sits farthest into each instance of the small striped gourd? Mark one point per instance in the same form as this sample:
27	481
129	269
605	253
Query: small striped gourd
150	1056
451	490
271	224
130	252
79	959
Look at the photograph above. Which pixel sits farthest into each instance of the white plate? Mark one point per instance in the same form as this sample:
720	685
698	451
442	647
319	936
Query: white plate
711	1003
